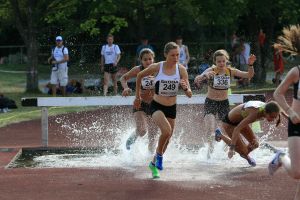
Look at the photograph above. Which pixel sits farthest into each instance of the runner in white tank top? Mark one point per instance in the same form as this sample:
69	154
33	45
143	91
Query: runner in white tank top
169	74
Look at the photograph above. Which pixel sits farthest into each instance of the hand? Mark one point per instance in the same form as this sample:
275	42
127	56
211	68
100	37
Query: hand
53	62
137	103
189	93
295	118
210	74
251	59
184	84
198	80
231	152
126	92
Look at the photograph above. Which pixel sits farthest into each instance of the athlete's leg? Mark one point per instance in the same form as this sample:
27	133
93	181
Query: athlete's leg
165	127
228	129
152	134
115	82
292	162
140	121
250	137
105	83
210	127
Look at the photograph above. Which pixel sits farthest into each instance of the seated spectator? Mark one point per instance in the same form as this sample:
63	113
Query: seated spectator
74	87
6	104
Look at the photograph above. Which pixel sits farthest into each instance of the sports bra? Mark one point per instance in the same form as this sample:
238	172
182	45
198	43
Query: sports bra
167	85
253	104
220	81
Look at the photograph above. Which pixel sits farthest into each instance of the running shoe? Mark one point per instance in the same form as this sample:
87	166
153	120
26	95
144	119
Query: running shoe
132	138
275	163
154	170
159	161
250	160
218	134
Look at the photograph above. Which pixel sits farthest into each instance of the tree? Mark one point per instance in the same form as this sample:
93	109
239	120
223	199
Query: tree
33	18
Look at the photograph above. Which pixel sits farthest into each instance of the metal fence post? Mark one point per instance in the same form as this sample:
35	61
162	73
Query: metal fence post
45	126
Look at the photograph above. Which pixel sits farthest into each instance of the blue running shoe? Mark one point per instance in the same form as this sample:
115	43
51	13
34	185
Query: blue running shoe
250	160
131	140
275	163
218	134
159	161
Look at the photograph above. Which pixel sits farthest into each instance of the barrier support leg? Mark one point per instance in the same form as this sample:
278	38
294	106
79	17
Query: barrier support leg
45	126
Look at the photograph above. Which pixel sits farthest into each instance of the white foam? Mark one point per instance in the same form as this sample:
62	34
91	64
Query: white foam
181	162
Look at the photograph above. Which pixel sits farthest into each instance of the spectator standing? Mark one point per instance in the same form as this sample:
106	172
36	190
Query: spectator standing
110	57
261	38
278	65
243	60
144	45
184	55
59	74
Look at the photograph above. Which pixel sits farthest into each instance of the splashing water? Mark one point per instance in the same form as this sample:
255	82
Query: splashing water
183	160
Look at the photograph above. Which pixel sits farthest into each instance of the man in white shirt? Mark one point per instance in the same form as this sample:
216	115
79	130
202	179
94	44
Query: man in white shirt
184	55
59	59
110	57
243	60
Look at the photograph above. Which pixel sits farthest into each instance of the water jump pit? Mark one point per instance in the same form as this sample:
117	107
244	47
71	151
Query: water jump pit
86	158
188	164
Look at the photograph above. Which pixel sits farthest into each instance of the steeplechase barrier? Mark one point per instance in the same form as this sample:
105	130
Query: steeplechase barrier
45	102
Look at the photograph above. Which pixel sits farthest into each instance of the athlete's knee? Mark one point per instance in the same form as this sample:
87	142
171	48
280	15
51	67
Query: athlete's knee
141	131
295	173
253	145
167	131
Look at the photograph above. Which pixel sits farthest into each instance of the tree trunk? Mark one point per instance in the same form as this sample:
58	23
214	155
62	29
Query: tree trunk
32	75
28	32
259	65
141	20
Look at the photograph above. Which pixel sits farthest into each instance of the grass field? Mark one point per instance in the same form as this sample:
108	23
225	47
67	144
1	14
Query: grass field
13	85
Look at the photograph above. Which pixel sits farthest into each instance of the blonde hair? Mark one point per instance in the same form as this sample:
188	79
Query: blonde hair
169	46
220	52
289	41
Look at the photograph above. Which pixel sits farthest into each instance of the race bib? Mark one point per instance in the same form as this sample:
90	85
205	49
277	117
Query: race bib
148	83
168	88
221	82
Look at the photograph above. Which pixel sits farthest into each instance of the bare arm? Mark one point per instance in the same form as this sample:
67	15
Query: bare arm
127	76
65	59
50	58
279	94
102	63
250	73
187	55
252	117
184	81
152	69
118	59
207	74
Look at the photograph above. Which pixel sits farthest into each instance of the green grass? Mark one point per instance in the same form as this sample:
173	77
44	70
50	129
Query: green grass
30	113
12	85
